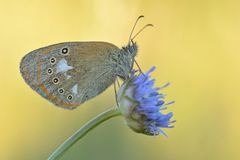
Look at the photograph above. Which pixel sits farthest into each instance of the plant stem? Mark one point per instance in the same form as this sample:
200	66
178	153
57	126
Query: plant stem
113	112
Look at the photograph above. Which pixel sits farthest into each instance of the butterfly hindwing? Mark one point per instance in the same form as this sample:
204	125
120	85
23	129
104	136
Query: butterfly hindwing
68	74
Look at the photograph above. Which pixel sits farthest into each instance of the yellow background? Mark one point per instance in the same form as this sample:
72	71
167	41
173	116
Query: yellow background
194	44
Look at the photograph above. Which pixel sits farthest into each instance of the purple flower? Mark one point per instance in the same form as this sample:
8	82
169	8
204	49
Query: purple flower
141	104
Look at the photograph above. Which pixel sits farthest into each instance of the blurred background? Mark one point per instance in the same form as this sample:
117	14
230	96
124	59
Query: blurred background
194	44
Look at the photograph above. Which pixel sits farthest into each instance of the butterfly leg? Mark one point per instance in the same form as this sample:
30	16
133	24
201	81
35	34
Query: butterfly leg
138	66
115	90
118	82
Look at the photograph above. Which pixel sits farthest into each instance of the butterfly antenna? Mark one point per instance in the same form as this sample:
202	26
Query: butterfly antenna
134	28
147	25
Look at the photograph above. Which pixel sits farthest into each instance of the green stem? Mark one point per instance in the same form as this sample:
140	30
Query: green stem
113	112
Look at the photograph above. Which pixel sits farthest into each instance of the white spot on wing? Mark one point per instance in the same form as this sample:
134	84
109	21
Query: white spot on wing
62	66
75	89
67	76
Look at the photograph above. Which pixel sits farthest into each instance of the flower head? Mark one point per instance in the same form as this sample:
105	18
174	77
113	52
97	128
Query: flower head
141	105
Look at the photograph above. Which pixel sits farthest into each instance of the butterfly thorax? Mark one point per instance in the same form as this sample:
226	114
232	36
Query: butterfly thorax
125	60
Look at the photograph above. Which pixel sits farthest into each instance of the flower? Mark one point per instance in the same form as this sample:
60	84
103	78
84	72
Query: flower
141	105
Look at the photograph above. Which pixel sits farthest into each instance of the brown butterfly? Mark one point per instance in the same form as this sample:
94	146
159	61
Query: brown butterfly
68	74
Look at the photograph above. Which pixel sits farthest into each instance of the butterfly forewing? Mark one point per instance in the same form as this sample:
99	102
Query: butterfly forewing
68	74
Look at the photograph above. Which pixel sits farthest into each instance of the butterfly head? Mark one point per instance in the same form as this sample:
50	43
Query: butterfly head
129	52
131	49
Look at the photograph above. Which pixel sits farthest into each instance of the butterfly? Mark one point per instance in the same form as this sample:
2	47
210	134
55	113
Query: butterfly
70	73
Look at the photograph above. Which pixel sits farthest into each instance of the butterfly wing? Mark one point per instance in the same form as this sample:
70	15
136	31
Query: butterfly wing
68	74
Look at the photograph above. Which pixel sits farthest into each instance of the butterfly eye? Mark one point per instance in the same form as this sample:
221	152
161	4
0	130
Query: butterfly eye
70	97
49	71
55	80
61	90
53	60
65	51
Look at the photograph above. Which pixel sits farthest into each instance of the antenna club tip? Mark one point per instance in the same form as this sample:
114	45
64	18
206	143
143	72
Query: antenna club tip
141	16
150	25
